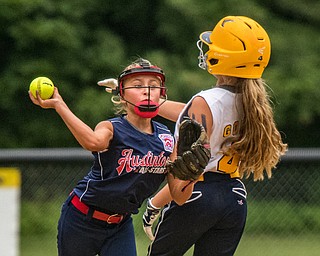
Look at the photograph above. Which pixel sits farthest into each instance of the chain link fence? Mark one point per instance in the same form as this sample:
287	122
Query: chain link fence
283	212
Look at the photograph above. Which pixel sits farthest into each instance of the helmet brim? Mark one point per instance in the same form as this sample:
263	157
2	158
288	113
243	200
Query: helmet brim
155	71
205	37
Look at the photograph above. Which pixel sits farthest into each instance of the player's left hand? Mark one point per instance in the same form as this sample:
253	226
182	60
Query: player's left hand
149	217
192	150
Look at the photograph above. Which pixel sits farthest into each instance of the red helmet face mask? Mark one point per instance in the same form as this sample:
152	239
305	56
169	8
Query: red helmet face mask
147	108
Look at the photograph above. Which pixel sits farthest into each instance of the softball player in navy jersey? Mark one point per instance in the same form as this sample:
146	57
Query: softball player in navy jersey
130	153
243	139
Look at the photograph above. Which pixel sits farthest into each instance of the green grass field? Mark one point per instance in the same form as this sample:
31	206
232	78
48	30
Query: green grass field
249	246
284	235
279	246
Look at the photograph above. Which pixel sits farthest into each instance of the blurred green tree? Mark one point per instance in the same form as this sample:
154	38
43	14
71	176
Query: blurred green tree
79	42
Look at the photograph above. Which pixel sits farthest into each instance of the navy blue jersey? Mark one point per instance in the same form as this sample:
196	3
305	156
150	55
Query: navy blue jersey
129	171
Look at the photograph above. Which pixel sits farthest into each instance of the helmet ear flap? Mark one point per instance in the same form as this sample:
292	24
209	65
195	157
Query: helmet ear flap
163	90
213	61
117	91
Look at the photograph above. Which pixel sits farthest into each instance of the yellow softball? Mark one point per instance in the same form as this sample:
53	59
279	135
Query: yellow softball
43	85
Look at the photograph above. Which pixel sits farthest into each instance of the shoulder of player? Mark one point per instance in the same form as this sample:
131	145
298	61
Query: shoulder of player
199	104
200	111
104	125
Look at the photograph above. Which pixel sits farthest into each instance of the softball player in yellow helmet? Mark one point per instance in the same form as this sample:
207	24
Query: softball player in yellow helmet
244	140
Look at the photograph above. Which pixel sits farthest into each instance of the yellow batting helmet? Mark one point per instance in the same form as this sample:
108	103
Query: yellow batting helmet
238	46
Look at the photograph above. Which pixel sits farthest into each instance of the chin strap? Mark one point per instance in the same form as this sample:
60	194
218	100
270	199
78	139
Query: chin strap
146	109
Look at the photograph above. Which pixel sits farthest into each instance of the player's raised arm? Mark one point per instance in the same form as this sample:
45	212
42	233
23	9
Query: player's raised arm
92	140
171	110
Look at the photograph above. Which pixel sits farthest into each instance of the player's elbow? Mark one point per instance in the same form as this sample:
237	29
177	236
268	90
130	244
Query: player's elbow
179	201
181	197
180	190
94	145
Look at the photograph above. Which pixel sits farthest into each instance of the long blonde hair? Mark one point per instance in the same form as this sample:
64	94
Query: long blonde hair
260	145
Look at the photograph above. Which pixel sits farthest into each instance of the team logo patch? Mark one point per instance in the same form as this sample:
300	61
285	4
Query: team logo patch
168	141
